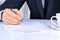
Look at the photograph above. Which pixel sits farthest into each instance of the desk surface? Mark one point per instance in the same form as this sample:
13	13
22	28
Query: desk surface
40	30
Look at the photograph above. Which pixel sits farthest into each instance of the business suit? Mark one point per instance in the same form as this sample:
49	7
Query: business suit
35	6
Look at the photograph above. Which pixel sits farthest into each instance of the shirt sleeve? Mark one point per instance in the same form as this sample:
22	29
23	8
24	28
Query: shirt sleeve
1	15
2	1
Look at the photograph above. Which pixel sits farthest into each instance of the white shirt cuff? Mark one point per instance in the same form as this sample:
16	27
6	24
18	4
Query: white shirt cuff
2	1
0	14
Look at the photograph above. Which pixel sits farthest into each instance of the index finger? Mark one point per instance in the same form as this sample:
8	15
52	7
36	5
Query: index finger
16	11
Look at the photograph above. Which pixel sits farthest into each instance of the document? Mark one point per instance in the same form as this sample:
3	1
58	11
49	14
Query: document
25	27
0	28
37	36
31	30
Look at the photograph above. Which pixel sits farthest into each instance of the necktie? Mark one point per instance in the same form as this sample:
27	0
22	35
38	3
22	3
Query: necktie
45	8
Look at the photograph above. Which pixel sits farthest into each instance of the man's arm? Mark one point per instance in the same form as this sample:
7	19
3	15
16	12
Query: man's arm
11	14
1	3
14	4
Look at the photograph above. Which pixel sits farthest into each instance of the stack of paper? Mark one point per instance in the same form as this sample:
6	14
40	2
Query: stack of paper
25	27
31	30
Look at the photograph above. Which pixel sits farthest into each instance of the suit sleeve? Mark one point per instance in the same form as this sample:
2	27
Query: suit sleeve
12	4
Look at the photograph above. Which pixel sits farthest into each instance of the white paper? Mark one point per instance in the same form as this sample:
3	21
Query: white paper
48	35
38	36
26	27
31	30
0	28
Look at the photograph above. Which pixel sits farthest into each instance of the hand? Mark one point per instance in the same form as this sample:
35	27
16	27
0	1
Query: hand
11	16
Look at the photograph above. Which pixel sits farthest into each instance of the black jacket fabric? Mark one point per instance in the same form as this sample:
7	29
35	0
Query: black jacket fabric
35	6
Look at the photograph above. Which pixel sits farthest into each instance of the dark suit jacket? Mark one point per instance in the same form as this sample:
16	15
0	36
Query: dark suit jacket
35	7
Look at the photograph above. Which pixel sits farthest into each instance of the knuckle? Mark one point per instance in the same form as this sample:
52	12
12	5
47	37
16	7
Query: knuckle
6	9
17	21
16	9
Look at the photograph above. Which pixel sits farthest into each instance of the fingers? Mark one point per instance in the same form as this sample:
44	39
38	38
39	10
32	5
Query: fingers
16	11
9	20
10	17
11	13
